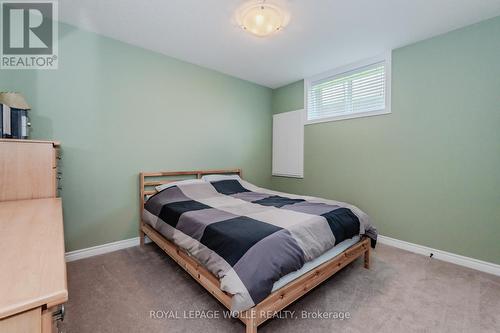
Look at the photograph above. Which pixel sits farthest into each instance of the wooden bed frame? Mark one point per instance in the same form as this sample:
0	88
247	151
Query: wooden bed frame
275	302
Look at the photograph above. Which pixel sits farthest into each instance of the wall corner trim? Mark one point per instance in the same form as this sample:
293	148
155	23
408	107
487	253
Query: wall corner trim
453	258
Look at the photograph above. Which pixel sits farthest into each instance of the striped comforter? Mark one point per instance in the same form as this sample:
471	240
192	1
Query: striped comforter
250	237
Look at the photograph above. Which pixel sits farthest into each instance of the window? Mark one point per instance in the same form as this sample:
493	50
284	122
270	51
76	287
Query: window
357	90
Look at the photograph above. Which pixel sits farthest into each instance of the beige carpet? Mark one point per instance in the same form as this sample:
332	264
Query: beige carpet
403	292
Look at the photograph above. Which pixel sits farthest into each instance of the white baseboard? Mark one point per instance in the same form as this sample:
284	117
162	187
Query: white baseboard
476	264
101	249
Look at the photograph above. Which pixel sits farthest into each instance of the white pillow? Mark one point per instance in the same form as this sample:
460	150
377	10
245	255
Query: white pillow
179	182
214	178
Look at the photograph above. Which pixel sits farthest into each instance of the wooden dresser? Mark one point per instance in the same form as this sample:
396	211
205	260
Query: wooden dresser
33	269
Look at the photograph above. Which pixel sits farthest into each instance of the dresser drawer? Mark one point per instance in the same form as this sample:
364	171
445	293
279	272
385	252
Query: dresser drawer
26	322
28	169
34	321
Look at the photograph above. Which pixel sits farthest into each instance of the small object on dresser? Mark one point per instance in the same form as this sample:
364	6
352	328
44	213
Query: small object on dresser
14	121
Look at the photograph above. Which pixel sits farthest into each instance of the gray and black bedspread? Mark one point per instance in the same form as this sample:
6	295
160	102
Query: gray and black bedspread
250	237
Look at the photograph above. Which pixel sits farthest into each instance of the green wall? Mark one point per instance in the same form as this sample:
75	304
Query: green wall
429	173
120	109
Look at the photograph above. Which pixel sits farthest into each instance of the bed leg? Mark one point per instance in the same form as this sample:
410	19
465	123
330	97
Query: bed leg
251	326
141	237
367	257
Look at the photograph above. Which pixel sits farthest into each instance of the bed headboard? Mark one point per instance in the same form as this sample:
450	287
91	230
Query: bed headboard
148	180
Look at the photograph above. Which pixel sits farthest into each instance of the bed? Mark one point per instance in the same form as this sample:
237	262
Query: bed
221	228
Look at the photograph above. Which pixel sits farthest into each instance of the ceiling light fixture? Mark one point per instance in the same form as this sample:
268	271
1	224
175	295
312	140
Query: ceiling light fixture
261	18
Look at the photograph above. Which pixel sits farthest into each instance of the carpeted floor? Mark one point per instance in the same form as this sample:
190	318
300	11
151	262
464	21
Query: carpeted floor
402	292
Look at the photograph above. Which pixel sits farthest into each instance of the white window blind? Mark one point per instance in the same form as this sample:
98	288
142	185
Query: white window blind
356	92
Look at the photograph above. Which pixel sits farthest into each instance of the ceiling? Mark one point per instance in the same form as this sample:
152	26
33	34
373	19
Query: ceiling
321	35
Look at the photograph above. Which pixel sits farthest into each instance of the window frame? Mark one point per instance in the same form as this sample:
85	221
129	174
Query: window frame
386	58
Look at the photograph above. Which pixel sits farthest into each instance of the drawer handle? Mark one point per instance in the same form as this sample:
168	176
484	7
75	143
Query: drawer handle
59	314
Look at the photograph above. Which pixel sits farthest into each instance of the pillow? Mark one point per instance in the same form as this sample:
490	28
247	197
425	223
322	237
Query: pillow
179	182
214	178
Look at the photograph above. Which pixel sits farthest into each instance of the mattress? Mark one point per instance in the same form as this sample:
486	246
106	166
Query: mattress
310	265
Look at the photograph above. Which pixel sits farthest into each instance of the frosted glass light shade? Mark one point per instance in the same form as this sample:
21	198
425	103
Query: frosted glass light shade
261	19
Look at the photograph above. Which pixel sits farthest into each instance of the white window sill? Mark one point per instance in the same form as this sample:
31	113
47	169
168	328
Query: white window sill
348	116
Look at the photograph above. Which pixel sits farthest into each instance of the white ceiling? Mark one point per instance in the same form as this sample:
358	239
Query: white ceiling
322	34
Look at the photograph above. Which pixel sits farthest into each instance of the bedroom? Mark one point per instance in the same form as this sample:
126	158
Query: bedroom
379	116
